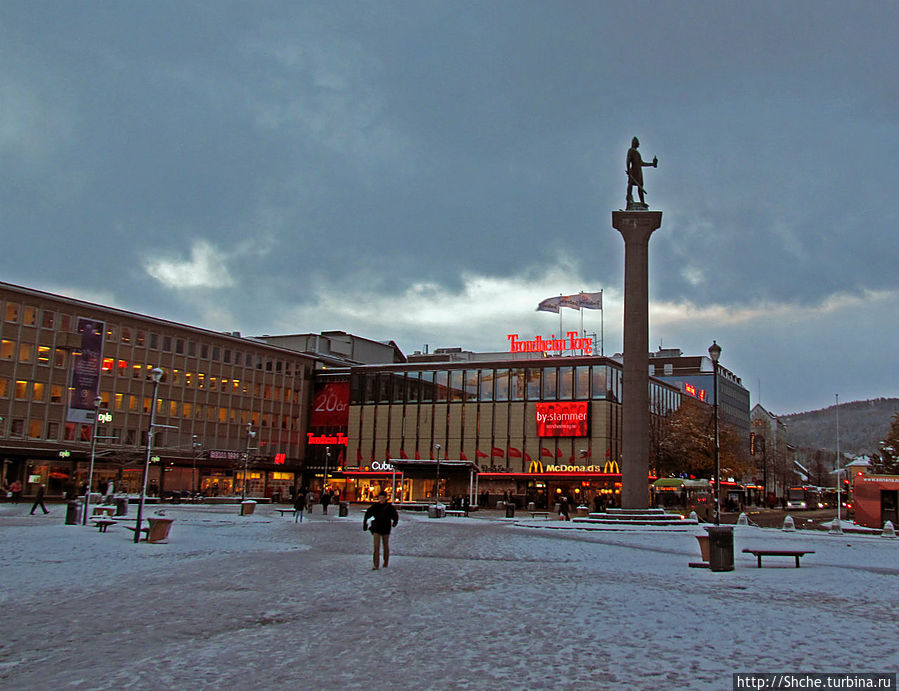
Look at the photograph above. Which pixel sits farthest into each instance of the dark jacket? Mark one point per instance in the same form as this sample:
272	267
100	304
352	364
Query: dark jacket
383	517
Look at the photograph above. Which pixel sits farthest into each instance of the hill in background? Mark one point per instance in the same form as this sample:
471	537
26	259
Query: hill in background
862	425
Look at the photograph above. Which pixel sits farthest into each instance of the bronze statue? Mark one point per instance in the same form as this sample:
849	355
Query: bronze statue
635	167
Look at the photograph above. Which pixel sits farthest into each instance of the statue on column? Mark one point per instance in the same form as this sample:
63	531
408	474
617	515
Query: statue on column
635	167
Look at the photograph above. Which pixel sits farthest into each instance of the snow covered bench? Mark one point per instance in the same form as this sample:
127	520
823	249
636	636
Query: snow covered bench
759	553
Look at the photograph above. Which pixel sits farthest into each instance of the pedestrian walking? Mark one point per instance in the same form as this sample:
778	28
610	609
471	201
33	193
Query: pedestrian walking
310	501
564	509
326	500
39	500
383	517
299	505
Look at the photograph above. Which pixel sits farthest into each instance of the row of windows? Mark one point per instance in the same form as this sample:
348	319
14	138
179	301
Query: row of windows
27	315
35	428
502	384
23	389
27	352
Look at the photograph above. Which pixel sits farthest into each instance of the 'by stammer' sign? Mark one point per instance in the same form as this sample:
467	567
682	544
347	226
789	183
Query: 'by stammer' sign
563	419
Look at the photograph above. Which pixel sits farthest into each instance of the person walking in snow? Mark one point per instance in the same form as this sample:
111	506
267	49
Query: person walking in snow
299	504
39	500
383	518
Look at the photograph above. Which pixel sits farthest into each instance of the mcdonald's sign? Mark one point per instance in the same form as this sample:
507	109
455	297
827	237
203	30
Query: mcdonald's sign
535	466
611	466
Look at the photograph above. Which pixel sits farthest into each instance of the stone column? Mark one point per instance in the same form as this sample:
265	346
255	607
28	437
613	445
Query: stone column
635	227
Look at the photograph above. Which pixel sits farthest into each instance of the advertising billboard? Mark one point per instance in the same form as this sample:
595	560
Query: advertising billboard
331	405
563	419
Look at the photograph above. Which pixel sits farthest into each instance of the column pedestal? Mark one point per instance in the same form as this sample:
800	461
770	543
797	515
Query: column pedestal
635	227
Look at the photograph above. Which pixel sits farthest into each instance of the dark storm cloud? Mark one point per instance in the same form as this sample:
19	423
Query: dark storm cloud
276	152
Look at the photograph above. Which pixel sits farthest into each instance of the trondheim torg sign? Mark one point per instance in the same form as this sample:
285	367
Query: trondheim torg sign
552	344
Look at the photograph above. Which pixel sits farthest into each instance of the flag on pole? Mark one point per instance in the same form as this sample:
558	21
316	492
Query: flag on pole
550	305
590	301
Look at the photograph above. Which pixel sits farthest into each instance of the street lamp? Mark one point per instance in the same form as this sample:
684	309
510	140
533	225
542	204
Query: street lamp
246	460
197	449
90	472
155	375
715	353
437	486
325	476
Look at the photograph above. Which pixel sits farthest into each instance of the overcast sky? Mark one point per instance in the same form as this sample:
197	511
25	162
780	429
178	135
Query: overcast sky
428	171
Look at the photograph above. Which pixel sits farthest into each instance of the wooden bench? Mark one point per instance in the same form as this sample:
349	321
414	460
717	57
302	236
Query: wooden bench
104	511
542	514
103	523
456	512
759	553
284	511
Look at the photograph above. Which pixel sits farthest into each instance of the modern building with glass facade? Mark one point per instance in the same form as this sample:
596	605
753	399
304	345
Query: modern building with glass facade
536	428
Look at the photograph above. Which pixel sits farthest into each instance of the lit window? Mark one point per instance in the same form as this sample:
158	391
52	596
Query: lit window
123	365
30	316
43	355
12	312
108	364
56	394
136	371
186	411
21	389
104	399
37	393
173	408
126	334
34	428
132	402
110	333
119	400
26	352
7	348
141	338
4	388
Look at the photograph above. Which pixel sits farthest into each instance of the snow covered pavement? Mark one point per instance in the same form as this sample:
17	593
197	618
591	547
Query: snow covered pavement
467	603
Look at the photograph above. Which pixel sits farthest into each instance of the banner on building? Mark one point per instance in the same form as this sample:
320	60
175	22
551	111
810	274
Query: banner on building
331	405
86	372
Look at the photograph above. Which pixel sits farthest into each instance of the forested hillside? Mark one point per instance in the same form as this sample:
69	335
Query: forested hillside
862	425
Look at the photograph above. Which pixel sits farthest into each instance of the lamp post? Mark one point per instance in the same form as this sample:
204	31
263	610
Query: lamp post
715	353
197	446
90	472
437	486
839	481
246	461
325	476
156	376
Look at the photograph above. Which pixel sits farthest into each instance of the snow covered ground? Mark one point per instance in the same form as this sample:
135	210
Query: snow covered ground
467	603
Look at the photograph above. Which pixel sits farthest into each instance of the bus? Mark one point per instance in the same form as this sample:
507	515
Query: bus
806	497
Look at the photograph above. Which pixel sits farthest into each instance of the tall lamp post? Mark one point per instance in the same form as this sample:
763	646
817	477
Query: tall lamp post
90	472
715	353
325	476
156	376
197	449
246	461
437	486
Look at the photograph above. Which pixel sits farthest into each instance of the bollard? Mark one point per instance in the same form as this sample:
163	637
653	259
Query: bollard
344	509
835	528
743	519
888	530
789	526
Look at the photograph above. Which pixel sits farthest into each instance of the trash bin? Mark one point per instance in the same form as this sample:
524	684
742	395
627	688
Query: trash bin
73	513
435	511
247	507
121	506
532	506
276	497
344	509
721	547
510	510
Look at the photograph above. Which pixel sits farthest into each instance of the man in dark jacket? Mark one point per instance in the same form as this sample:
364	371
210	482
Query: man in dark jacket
39	500
383	517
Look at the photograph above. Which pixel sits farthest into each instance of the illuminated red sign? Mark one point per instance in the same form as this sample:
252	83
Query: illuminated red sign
331	405
692	390
563	419
280	458
551	344
322	439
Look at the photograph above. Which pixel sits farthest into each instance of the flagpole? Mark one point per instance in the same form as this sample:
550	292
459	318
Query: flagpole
602	335
560	322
